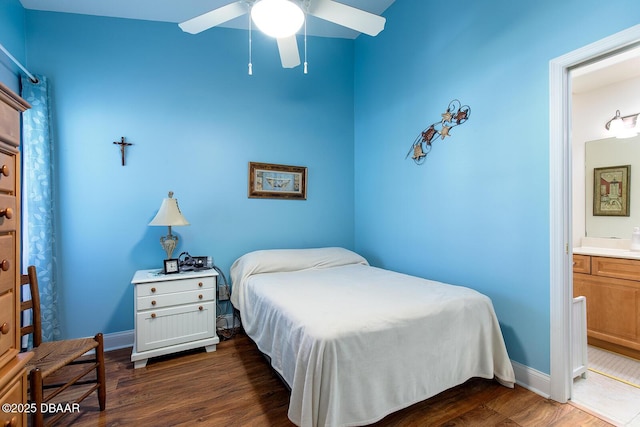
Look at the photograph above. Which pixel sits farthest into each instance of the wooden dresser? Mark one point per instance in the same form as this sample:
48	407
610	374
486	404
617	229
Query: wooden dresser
612	289
13	377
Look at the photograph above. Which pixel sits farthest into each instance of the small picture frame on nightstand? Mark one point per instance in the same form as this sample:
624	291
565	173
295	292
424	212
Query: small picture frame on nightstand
171	266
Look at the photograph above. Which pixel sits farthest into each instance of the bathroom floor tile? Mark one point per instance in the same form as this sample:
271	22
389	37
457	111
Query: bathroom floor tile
619	403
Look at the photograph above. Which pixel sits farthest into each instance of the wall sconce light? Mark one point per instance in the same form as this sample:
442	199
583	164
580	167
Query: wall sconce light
623	126
169	215
277	18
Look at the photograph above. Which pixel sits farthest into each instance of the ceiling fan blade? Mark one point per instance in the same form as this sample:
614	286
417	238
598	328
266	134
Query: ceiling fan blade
347	16
289	55
214	17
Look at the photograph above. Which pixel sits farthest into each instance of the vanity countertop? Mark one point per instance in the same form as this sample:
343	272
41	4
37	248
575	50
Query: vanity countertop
607	252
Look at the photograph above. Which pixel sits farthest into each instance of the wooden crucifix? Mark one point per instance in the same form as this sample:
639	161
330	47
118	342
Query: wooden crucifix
122	145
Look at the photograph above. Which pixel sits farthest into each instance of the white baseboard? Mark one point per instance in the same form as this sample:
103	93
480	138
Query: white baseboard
526	377
118	340
533	380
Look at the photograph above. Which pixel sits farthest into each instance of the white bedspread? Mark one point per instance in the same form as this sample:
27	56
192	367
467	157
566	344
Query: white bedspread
356	343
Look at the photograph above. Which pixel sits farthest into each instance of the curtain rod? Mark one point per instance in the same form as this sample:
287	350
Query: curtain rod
15	61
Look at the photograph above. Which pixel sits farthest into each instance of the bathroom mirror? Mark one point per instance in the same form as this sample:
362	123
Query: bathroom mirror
605	153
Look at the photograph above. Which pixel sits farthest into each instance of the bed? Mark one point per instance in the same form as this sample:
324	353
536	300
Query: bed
355	342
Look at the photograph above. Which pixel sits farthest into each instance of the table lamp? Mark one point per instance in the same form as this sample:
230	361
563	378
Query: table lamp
169	214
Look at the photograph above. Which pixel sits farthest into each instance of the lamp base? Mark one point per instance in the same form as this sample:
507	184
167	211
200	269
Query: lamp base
169	243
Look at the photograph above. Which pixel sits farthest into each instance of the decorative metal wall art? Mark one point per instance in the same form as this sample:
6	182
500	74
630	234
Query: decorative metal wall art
455	115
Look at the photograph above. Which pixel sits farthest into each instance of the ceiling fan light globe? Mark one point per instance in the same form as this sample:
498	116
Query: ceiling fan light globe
277	18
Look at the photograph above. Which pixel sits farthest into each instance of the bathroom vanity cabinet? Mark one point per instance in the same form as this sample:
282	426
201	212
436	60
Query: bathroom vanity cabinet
612	289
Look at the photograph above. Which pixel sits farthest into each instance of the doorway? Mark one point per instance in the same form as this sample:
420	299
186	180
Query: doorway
610	387
561	244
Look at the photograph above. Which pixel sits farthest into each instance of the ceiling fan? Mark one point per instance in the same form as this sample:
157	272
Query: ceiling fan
291	14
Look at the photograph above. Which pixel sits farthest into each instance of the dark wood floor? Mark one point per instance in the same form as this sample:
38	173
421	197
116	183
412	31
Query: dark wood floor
234	386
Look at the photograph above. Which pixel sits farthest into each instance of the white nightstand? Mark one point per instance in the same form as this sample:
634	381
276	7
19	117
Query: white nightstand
173	312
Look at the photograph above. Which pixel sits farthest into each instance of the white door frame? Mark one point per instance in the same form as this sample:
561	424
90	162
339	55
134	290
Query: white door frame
560	201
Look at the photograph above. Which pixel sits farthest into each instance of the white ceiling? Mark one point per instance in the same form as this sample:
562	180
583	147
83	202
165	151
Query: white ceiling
614	69
181	10
623	66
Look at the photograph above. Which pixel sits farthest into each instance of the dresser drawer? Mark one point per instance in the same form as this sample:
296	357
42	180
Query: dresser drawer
7	251
182	285
619	268
13	396
7	322
177	298
8	172
582	264
174	325
8	209
9	125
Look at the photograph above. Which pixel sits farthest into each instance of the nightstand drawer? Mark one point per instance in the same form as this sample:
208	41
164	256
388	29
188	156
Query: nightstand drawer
181	285
174	325
178	298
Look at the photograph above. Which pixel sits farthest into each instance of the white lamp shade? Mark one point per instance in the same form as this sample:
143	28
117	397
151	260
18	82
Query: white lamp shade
624	127
277	18
616	125
626	133
169	213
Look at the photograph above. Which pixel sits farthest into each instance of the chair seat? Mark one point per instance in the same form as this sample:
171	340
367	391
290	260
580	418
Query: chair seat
50	360
51	356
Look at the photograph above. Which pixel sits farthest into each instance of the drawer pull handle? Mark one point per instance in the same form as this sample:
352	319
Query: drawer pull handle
201	308
153	302
200	284
5	328
5	265
200	296
7	213
5	171
153	315
153	289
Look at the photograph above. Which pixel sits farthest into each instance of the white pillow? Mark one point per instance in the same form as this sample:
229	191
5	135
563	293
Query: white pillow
278	260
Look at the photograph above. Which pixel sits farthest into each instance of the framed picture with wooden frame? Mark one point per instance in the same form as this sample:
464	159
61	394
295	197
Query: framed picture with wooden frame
611	191
272	181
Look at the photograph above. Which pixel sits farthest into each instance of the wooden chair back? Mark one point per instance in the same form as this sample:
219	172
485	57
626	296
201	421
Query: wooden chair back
33	304
51	358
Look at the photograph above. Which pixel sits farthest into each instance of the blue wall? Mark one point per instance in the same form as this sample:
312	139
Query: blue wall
12	29
476	213
196	118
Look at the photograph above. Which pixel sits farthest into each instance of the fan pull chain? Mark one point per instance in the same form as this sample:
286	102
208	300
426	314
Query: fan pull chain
250	64
305	45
